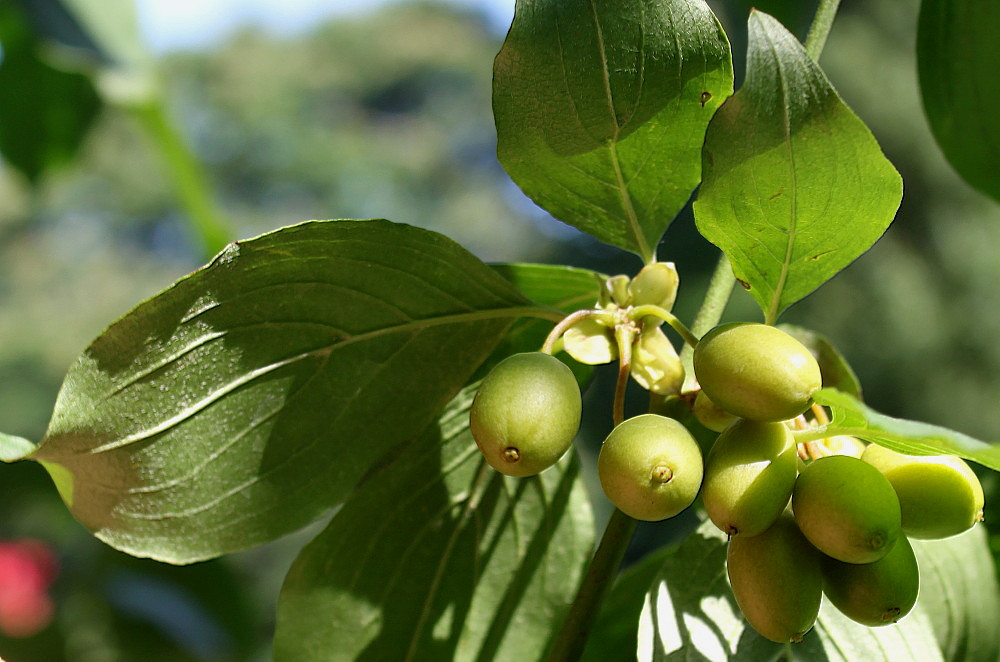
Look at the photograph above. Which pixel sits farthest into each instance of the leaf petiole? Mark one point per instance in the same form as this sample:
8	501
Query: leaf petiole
650	310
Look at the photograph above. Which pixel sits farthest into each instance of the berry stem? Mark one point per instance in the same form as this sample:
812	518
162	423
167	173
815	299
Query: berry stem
650	310
623	334
820	28
572	638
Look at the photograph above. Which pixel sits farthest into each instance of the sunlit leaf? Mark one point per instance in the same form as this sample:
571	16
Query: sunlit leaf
964	596
852	417
438	557
795	186
14	448
251	396
690	614
957	55
601	109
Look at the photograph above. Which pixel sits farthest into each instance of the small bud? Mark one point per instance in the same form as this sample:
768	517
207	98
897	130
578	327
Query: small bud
655	364
656	284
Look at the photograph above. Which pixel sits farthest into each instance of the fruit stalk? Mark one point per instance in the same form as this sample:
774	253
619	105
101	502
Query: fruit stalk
572	638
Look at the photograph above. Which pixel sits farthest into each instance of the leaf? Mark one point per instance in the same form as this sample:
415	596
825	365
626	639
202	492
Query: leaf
13	448
438	557
957	52
241	403
961	595
104	35
852	417
45	112
601	109
614	636
690	614
795	186
837	372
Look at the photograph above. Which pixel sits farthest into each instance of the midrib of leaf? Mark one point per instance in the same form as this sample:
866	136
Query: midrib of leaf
188	412
774	308
472	502
623	192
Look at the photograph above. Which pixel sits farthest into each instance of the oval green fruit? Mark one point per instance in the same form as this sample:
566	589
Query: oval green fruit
526	413
650	467
777	581
878	593
756	371
847	509
939	495
749	475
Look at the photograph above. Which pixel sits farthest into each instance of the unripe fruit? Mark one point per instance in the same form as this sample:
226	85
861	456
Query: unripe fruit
756	371
526	413
939	495
711	415
878	593
749	475
776	580
847	509
650	467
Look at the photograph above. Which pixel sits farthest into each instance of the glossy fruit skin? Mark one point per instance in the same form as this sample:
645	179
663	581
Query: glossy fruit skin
526	413
749	475
777	580
756	371
878	593
939	495
847	509
650	467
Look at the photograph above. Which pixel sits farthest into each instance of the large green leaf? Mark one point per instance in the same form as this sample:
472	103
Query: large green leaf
957	56
853	417
963	602
601	109
45	112
438	557
251	396
795	186
690	614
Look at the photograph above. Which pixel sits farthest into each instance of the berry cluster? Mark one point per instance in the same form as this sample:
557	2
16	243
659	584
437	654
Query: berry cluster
829	517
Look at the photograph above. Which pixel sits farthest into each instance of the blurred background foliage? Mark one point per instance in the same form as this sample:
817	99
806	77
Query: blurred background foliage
387	114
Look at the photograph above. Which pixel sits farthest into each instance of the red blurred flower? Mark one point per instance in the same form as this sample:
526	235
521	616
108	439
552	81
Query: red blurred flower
27	568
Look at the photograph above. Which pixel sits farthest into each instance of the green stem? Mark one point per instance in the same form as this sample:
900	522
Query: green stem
572	639
720	288
566	322
820	28
649	310
206	222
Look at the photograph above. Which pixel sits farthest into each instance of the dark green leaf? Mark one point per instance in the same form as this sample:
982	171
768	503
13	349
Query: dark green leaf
690	614
961	595
13	448
795	186
45	112
601	109
957	56
837	373
438	557
251	396
852	417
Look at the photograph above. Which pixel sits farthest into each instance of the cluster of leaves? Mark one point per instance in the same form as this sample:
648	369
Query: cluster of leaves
331	363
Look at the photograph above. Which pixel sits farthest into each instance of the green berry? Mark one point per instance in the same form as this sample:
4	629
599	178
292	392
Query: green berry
939	495
526	413
756	371
847	509
650	467
878	593
777	581
749	475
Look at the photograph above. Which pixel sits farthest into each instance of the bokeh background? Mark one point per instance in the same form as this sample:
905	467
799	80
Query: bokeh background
349	109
